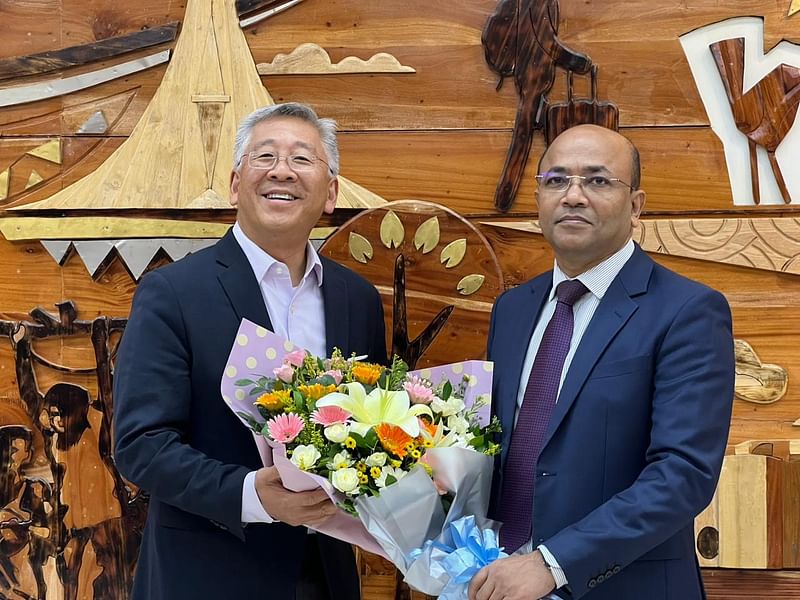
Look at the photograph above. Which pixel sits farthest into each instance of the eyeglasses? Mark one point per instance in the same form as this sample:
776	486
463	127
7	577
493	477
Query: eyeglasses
296	162
598	185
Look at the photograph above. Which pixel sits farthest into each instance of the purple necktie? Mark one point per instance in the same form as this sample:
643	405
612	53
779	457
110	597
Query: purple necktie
516	502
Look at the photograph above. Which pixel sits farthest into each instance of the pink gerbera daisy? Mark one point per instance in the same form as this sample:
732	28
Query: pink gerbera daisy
284	428
417	391
329	415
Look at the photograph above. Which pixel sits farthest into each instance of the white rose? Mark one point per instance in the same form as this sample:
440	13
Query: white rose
337	433
340	460
305	457
452	406
378	459
458	424
345	480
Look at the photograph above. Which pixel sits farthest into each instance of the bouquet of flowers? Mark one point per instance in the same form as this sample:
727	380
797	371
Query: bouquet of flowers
406	455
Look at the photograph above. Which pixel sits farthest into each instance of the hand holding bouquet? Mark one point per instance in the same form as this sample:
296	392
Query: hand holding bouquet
405	455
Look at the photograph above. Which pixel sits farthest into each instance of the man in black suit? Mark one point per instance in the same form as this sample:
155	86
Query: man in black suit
220	525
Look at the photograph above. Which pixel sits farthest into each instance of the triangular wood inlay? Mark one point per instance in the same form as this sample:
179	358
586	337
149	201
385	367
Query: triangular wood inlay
49	151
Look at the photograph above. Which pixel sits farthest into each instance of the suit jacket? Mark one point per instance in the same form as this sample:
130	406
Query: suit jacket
177	439
634	447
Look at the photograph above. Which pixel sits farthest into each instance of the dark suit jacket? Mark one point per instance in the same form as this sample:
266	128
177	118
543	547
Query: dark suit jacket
177	439
635	444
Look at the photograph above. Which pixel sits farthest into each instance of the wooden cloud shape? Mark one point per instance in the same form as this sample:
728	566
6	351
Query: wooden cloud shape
311	59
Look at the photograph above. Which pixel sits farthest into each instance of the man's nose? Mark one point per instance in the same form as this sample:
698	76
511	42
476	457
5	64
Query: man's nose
574	194
282	171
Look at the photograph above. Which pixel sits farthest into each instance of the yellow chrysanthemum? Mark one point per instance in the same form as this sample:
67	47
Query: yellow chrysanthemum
273	400
375	472
361	467
350	443
415	454
366	373
362	478
316	390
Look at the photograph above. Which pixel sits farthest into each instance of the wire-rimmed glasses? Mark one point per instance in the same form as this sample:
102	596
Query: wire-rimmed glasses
598	185
296	162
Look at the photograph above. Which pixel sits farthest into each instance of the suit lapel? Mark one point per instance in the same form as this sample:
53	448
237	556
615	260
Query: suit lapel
512	358
612	313
334	297
240	285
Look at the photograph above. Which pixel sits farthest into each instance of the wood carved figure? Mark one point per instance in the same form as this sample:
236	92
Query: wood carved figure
520	39
79	502
766	112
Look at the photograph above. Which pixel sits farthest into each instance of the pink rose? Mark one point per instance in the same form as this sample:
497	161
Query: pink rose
295	358
285	372
336	374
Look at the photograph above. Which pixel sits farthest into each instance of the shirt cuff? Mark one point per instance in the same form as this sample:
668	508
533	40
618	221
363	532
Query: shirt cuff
252	509
555	568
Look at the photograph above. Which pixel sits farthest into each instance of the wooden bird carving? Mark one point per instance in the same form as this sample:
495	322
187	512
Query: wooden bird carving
766	112
520	39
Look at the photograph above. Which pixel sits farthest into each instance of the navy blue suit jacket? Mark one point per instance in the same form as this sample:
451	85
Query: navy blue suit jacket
635	444
177	439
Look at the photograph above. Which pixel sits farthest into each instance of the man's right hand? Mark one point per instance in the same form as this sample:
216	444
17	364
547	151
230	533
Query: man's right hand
294	508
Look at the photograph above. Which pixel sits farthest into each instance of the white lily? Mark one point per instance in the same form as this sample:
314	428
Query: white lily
379	406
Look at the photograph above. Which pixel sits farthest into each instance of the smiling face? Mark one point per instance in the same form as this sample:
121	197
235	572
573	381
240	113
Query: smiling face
278	207
586	228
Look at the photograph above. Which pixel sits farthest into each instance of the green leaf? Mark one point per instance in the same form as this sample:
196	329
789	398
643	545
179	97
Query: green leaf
447	390
299	401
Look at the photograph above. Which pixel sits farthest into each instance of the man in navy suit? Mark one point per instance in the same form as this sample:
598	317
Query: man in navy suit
632	450
220	525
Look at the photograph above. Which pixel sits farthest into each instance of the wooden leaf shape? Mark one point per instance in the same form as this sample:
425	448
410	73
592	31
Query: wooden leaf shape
470	284
453	253
392	230
360	248
427	235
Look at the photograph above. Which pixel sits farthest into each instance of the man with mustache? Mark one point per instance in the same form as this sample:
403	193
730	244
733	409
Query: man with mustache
219	524
614	382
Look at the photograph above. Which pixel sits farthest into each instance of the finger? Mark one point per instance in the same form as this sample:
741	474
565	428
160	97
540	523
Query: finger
476	583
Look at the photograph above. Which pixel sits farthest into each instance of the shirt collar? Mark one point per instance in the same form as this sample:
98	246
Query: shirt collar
599	278
261	262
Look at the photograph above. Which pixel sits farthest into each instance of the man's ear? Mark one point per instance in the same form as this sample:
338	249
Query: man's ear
234	199
637	206
333	193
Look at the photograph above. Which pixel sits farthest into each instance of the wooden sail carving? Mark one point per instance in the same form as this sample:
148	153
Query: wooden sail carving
766	112
179	155
521	39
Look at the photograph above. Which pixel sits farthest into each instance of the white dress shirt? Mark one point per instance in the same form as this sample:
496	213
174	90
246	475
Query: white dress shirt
297	314
597	280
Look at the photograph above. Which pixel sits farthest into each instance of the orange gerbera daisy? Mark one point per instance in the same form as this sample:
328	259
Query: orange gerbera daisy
393	439
366	373
316	391
273	400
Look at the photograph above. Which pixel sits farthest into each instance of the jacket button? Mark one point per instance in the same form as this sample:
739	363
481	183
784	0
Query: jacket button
601	578
609	573
616	569
592	583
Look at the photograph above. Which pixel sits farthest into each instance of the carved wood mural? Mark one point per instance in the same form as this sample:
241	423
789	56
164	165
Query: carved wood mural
71	525
722	208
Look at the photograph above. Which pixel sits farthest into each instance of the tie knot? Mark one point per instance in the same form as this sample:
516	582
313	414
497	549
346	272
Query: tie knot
570	291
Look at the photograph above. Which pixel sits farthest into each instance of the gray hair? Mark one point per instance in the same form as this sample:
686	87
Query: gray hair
325	127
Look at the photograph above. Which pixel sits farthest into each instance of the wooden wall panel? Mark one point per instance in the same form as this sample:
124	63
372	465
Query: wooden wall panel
441	135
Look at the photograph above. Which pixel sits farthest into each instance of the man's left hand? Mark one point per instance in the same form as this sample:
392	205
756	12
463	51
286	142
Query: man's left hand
524	577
